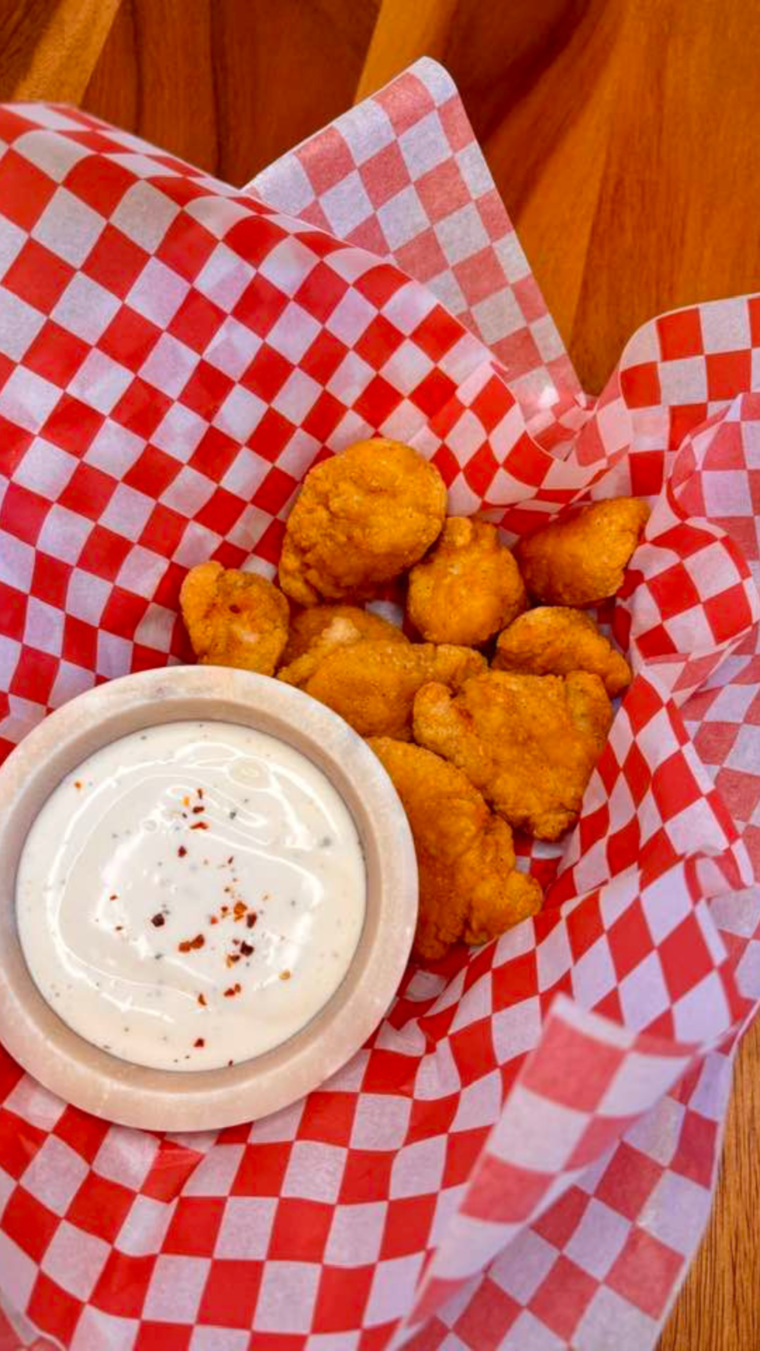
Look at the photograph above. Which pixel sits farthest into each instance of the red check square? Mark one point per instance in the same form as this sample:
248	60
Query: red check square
38	276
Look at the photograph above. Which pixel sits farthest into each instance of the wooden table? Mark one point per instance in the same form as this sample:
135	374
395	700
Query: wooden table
623	136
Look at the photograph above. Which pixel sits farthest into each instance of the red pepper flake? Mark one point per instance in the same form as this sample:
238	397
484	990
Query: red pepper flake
232	958
225	909
200	825
229	1063
251	918
284	975
77	783
213	920
113	897
202	1000
199	791
182	851
231	858
246	949
185	802
199	1042
191	944
240	909
198	809
119	928
158	921
232	991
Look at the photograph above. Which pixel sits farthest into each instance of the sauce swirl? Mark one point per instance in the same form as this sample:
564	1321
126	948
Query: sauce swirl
191	895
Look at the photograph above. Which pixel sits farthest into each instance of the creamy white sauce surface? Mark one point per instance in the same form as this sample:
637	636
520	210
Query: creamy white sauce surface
191	895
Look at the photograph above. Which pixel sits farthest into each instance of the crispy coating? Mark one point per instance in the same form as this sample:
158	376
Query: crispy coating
467	588
583	559
307	627
360	519
372	684
234	618
553	640
527	742
469	887
340	632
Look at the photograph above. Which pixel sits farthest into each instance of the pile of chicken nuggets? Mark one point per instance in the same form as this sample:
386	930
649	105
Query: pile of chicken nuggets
488	711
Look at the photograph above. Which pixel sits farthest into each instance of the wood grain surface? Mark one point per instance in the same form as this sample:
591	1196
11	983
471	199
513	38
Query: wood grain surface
623	136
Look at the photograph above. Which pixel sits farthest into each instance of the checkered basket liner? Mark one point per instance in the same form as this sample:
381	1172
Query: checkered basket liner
523	1155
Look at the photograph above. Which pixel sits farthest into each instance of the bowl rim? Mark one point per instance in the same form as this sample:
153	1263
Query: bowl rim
182	1100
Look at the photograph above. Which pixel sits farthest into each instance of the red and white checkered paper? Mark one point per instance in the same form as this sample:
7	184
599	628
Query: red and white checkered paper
523	1156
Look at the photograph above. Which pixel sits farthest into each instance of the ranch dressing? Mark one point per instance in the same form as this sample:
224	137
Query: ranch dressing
191	895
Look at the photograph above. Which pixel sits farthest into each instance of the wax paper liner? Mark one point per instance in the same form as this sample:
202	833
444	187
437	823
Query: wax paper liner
523	1156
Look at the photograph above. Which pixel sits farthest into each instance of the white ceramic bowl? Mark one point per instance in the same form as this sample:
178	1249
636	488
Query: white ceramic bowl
204	1099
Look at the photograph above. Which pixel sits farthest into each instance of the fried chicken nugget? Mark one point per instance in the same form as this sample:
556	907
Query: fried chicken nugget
469	887
372	684
341	631
234	618
467	588
553	640
360	519
582	560
307	627
527	742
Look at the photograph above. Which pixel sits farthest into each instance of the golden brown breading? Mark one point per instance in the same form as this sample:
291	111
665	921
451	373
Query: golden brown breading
360	519
307	627
582	559
554	640
469	887
527	742
467	588
234	618
372	684
341	632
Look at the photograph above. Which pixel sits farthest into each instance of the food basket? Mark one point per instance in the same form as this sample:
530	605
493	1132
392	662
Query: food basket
524	1155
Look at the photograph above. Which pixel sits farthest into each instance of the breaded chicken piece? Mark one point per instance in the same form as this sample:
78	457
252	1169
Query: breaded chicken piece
340	632
553	640
307	627
527	742
582	560
372	684
234	618
360	519
469	887
467	588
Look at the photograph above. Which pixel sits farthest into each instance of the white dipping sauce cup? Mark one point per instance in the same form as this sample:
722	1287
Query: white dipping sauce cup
207	1099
